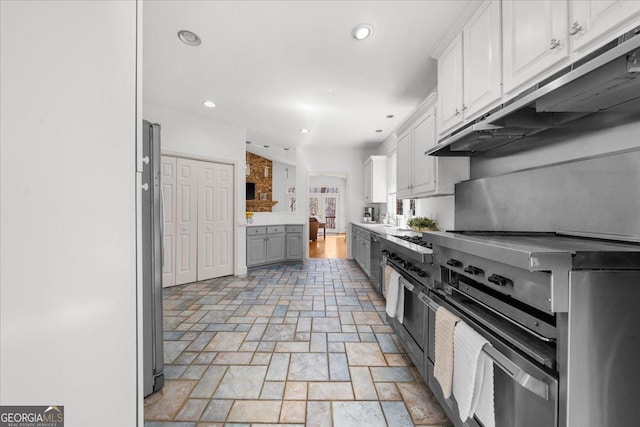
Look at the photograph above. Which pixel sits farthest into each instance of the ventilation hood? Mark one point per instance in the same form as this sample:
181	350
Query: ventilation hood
607	78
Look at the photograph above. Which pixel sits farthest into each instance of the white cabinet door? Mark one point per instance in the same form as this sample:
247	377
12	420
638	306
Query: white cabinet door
391	172
535	41
168	179
482	60
403	168
424	167
187	221
450	86
215	215
594	22
368	182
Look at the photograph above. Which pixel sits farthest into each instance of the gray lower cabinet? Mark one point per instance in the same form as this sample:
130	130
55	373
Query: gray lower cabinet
273	243
275	247
294	242
361	248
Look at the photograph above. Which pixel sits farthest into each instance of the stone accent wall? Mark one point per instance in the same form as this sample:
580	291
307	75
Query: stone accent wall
264	184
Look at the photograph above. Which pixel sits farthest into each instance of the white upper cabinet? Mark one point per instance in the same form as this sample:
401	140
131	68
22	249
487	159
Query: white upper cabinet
469	69
403	168
482	62
375	179
419	175
423	171
450	85
535	40
594	22
391	172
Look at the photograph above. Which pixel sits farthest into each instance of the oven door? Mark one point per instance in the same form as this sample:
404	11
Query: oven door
525	392
411	331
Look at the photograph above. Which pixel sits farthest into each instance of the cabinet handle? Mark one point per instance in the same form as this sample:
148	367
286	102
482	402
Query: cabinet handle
554	44
464	107
575	28
457	112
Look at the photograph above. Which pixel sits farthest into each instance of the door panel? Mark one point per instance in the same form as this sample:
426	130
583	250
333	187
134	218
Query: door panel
187	221
424	137
534	41
168	180
215	224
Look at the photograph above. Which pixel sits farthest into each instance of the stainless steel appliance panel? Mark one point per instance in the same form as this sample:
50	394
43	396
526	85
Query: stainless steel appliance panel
376	258
413	312
603	349
515	404
531	287
152	222
567	196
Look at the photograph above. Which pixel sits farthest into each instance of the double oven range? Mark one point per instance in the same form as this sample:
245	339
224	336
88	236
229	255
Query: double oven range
559	310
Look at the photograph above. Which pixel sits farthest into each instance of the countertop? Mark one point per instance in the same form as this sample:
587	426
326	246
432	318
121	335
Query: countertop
263	222
389	233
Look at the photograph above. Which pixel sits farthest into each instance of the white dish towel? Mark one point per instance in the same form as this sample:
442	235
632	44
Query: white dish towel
395	297
443	365
472	376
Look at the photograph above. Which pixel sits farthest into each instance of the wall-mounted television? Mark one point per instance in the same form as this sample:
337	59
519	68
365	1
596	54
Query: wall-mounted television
251	191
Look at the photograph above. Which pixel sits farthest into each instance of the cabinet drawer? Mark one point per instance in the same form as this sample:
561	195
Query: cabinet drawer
294	228
275	229
254	231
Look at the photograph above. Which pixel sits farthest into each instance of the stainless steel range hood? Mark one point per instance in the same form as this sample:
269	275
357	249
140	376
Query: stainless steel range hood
607	78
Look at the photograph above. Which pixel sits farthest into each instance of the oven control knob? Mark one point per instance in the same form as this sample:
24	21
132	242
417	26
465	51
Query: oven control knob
454	263
499	280
473	270
422	273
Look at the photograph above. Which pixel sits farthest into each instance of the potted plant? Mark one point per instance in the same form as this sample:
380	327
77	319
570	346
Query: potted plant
422	223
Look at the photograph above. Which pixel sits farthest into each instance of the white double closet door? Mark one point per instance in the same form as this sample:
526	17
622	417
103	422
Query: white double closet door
198	220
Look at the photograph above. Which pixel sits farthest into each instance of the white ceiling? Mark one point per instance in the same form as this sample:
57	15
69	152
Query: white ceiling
274	67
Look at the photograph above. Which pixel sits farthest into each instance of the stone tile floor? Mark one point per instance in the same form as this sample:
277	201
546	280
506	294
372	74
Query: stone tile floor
304	344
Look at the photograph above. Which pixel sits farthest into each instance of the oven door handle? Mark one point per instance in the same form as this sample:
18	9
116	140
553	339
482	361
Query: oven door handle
516	373
428	301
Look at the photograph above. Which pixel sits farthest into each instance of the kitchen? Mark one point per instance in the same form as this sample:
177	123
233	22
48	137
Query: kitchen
578	144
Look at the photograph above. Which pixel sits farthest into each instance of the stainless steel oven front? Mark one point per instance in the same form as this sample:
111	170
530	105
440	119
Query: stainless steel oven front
411	330
525	391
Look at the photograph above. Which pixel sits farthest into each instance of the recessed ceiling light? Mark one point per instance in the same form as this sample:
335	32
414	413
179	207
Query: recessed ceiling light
304	131
362	31
209	104
378	130
189	37
389	116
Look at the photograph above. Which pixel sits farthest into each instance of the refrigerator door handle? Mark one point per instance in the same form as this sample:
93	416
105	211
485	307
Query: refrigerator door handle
161	228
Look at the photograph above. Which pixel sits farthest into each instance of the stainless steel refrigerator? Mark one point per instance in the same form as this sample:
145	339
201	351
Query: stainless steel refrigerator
152	223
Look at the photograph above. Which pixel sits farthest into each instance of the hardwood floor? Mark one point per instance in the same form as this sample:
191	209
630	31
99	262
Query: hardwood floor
333	246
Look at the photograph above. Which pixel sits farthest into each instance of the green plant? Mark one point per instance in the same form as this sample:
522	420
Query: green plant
421	222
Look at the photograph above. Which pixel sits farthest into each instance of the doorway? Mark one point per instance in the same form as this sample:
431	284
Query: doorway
327	206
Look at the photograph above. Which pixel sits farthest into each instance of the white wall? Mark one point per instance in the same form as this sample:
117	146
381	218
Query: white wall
349	161
208	140
441	209
67	211
280	182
